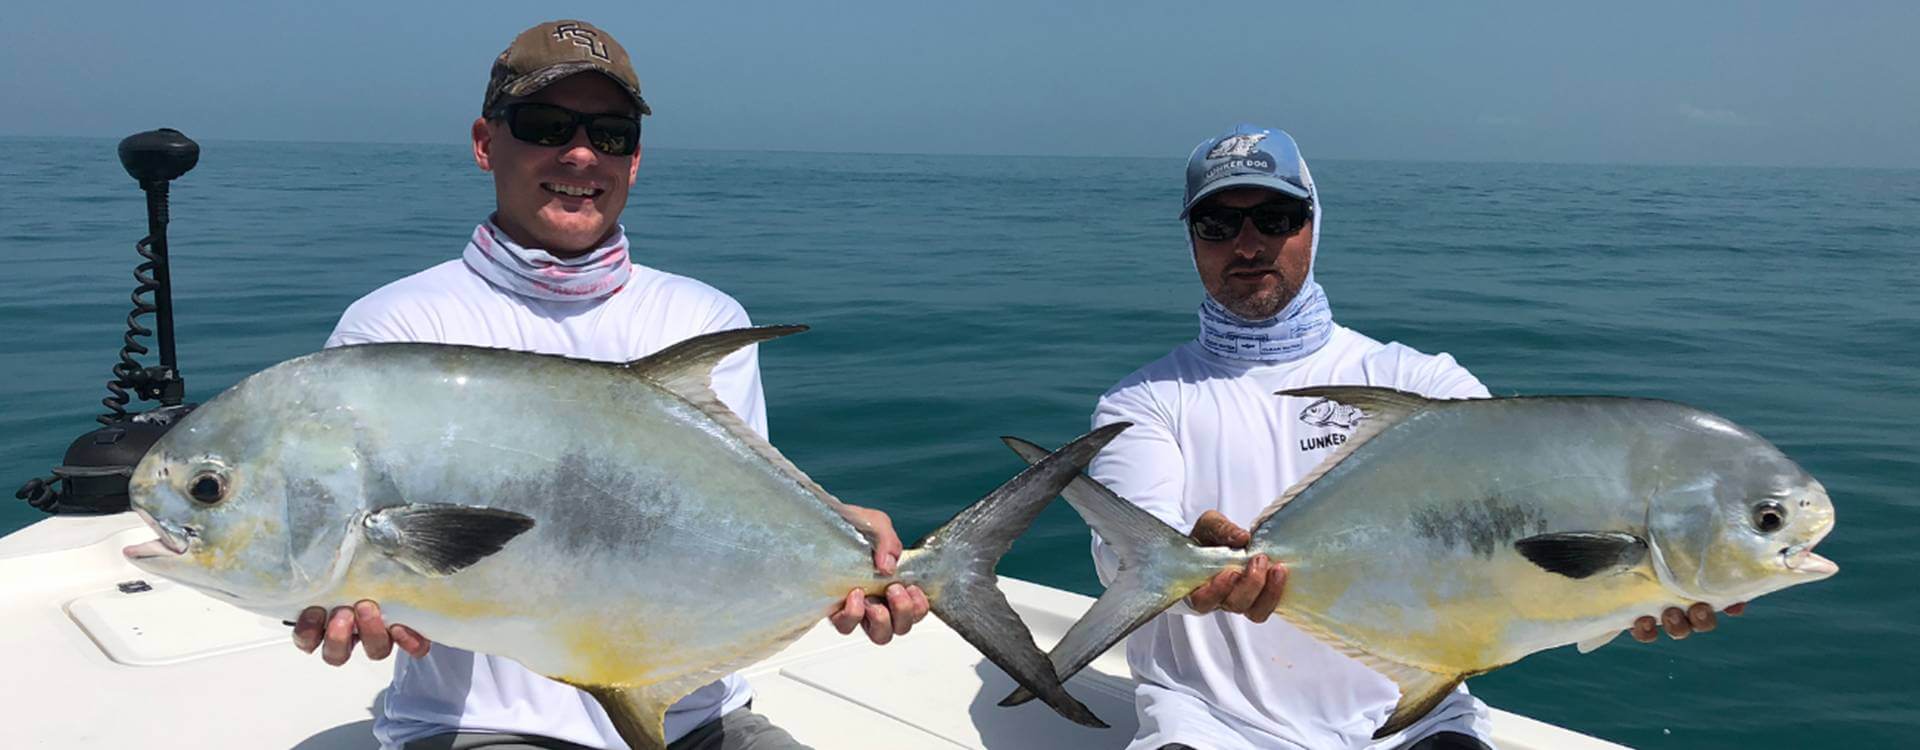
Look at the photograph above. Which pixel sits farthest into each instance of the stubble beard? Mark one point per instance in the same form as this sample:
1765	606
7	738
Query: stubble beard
1259	304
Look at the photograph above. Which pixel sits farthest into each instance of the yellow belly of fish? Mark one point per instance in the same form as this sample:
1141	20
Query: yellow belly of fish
1472	634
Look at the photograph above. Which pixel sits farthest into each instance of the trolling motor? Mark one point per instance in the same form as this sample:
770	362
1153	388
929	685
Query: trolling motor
93	478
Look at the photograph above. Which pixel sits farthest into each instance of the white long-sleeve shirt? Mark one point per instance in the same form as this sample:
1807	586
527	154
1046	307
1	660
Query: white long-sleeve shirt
1209	434
453	689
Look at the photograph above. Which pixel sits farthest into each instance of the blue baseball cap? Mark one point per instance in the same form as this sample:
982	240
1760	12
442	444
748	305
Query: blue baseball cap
1246	156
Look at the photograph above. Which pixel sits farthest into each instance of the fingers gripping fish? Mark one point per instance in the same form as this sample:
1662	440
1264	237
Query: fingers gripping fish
1446	539
589	520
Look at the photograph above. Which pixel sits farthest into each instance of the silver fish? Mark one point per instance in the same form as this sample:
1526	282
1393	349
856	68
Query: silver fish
611	526
1446	539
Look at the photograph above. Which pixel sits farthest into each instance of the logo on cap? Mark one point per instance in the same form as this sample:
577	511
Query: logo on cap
582	38
1237	145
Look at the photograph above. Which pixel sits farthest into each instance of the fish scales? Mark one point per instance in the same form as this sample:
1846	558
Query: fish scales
612	526
1438	568
1446	539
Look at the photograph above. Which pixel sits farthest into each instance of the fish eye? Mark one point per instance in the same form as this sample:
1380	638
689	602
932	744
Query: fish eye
1769	517
207	487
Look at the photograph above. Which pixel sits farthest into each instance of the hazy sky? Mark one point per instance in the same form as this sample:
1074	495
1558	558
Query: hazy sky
1835	83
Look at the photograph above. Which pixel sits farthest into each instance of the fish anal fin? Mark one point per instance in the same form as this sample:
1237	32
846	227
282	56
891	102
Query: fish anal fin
1582	554
1382	407
1421	688
686	370
439	540
1420	692
637	713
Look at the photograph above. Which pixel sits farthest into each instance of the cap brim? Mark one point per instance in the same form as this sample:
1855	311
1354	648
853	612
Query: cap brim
1248	180
544	77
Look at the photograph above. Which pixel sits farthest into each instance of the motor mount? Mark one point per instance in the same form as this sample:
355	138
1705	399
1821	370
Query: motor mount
93	476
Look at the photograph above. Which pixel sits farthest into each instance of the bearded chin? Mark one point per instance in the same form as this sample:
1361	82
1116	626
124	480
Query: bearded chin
1258	305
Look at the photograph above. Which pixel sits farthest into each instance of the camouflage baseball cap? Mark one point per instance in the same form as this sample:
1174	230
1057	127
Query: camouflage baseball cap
554	50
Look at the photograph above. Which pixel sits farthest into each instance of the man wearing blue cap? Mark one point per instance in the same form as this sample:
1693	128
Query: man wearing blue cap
1211	446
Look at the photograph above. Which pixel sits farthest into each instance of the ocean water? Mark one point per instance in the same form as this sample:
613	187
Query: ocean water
956	299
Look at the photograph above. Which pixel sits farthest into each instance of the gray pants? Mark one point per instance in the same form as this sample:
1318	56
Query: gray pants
741	729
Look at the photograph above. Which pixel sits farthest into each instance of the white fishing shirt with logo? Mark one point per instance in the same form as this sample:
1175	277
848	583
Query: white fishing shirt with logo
1208	434
452	689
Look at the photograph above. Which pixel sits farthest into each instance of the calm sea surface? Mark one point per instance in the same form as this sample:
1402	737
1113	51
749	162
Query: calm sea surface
957	299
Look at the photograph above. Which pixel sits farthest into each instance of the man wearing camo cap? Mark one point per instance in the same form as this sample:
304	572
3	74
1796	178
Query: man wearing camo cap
549	271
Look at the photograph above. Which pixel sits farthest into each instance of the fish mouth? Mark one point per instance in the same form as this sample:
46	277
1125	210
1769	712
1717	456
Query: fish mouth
1800	558
174	540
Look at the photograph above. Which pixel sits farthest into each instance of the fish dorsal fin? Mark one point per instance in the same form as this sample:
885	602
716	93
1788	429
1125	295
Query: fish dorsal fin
1383	407
1421	688
686	369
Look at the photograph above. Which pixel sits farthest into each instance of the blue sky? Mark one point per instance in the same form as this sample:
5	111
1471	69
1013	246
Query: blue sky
1698	82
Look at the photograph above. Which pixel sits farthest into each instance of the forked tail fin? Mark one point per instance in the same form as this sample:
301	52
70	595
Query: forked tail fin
1158	566
954	565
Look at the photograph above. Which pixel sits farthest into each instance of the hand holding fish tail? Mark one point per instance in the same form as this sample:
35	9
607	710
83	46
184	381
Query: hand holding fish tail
901	608
336	633
1254	591
1698	618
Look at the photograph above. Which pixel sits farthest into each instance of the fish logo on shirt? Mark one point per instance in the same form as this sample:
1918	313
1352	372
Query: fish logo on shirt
1325	413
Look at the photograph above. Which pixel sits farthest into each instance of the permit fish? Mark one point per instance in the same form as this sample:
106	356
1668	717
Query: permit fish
612	526
1449	538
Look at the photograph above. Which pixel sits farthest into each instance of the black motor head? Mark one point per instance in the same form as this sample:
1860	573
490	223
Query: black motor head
158	155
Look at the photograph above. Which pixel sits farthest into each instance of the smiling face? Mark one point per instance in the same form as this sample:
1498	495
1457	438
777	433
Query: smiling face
1253	275
562	199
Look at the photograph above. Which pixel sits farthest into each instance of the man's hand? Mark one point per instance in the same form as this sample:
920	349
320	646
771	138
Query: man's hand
335	635
1698	618
903	606
1253	592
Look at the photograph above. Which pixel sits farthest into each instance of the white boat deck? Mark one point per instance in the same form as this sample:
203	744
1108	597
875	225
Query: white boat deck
91	666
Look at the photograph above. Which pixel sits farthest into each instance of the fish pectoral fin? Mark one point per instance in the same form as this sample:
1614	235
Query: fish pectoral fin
638	713
1587	646
1420	692
1581	554
438	540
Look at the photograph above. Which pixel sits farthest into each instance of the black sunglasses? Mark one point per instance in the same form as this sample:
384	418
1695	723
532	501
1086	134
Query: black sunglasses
551	125
1277	218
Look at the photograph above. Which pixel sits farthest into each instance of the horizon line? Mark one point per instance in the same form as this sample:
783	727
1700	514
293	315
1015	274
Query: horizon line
1030	155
